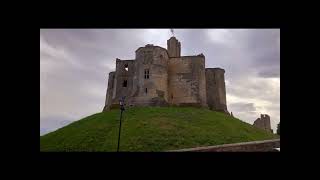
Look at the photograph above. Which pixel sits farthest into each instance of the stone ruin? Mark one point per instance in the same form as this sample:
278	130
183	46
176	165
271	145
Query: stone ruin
263	123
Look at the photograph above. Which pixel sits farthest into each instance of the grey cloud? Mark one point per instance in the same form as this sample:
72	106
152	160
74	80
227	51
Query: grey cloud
266	52
270	72
192	41
247	51
247	87
243	107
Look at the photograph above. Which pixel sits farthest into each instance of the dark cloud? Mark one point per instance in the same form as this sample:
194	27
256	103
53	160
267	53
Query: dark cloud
265	45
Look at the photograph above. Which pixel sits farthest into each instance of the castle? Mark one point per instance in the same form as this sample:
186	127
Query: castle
162	77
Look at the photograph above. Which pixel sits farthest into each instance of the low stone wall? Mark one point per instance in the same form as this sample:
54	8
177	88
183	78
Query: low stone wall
253	146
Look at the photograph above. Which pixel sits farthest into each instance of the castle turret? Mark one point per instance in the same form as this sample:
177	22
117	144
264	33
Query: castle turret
216	89
174	47
150	84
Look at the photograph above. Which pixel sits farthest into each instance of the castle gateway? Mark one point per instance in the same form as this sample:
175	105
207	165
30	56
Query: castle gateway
162	77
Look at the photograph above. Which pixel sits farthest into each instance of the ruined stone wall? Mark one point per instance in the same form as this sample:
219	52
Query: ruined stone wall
109	91
153	90
216	90
122	75
187	80
263	122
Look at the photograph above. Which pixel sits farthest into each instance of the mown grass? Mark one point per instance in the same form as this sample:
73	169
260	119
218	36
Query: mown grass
151	129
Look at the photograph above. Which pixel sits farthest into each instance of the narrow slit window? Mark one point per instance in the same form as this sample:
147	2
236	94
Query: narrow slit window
125	83
146	74
146	90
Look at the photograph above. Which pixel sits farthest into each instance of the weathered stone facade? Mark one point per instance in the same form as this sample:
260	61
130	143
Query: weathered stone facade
162	77
263	122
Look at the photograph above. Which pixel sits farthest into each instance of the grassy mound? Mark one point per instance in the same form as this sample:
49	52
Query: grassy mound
152	129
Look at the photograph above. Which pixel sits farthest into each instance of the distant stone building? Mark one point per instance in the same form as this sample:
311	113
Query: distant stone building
162	77
263	122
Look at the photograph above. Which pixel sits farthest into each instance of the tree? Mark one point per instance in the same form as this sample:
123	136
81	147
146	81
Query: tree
278	129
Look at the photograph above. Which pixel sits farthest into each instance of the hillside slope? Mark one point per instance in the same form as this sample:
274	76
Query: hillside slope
151	129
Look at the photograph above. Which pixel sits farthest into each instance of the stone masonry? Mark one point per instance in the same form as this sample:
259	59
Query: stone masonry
162	77
263	122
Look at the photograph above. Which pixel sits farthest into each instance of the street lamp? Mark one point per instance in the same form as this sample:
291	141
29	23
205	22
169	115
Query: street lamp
121	102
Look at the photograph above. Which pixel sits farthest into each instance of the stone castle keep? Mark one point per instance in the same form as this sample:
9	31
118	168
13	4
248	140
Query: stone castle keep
162	77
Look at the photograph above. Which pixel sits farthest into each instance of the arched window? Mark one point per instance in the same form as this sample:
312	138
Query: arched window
126	67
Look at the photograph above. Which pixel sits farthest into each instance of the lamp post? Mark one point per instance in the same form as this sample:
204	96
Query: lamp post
121	102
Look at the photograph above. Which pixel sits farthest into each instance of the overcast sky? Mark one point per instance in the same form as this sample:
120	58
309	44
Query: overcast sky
75	63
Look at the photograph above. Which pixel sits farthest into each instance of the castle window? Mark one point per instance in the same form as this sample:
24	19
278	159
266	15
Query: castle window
126	67
146	90
146	73
124	84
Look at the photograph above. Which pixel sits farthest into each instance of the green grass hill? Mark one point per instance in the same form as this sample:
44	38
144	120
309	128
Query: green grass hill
151	129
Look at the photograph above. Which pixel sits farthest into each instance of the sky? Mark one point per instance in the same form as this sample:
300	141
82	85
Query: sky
75	63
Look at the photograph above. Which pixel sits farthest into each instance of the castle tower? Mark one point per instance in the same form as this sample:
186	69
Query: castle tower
174	47
150	82
216	89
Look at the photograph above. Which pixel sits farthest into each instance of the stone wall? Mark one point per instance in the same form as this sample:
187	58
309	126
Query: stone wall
187	80
120	82
109	91
215	89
